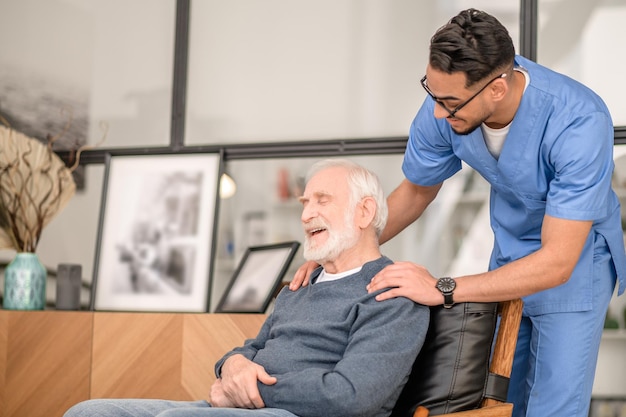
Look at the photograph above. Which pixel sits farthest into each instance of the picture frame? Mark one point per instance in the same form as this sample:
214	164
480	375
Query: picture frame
156	233
257	277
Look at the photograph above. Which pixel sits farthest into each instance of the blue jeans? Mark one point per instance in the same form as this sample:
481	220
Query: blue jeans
164	408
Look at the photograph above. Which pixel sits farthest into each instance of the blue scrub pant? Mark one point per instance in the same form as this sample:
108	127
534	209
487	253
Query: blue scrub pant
556	356
164	408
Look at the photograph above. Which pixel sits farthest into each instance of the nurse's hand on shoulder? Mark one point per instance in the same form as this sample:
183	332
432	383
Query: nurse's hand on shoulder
301	277
406	279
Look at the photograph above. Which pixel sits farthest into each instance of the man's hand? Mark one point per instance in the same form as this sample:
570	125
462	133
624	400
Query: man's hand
239	382
406	279
301	278
218	397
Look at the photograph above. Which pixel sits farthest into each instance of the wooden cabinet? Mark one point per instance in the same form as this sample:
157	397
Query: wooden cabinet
50	360
44	362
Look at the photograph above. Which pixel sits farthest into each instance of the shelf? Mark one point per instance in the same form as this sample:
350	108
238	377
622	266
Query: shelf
474	197
614	334
289	204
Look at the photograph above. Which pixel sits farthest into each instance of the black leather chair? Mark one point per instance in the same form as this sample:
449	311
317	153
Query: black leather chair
456	373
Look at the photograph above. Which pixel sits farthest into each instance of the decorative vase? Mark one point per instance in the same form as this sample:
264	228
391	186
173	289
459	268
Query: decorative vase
25	283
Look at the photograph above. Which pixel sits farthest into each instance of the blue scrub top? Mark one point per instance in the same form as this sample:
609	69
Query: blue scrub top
557	160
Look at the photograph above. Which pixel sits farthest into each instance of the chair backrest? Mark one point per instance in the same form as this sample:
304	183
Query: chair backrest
454	370
503	352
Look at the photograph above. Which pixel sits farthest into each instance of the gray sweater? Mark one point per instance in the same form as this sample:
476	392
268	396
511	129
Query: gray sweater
335	350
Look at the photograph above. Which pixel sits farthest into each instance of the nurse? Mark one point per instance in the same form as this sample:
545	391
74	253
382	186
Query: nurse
545	144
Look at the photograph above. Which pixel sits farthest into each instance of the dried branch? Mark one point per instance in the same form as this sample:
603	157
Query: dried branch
105	129
35	185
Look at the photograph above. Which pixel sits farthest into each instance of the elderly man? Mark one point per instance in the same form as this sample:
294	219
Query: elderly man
328	349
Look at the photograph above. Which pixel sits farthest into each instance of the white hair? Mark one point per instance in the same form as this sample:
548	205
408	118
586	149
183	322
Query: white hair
362	183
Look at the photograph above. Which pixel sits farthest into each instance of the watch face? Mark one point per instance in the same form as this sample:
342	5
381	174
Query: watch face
446	284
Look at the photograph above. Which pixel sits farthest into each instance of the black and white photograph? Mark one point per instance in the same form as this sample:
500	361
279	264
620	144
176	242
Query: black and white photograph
257	278
156	233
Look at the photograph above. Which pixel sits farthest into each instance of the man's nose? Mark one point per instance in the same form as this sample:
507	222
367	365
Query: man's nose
439	112
308	212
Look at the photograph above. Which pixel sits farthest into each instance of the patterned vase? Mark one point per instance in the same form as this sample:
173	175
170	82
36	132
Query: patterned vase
25	283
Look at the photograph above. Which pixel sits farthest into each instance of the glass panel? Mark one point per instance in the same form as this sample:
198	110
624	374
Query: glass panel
579	38
617	308
101	61
299	70
453	235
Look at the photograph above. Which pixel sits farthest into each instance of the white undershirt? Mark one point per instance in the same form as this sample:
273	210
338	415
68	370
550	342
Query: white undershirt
326	276
494	138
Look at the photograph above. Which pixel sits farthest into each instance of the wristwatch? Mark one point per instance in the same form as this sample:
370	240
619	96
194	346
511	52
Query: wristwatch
446	285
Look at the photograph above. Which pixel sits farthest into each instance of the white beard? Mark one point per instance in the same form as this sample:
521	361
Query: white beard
338	241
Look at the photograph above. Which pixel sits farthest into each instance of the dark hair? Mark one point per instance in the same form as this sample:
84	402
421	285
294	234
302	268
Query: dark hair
472	42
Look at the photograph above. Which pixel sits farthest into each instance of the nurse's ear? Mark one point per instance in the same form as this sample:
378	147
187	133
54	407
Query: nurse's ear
499	89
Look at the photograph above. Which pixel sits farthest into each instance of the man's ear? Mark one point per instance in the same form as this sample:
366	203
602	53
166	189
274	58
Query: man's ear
366	210
498	89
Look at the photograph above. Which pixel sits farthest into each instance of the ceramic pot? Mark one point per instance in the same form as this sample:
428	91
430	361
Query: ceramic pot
25	283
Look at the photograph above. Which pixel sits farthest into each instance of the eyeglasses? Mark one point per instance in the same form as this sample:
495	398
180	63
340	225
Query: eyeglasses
423	81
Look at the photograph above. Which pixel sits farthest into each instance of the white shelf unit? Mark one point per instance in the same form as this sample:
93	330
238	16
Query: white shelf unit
610	378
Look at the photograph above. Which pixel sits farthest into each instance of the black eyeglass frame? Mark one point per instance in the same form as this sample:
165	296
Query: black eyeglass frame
460	106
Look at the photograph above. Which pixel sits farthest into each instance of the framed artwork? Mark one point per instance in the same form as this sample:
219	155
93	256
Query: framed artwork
85	81
156	233
257	278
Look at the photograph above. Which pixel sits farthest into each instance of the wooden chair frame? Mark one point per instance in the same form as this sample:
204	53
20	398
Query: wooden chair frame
501	363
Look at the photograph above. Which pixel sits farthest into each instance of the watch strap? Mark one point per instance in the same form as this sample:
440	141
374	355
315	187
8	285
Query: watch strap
448	300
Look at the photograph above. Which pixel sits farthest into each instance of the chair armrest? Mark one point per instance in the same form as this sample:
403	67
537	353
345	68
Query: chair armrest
500	410
421	412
